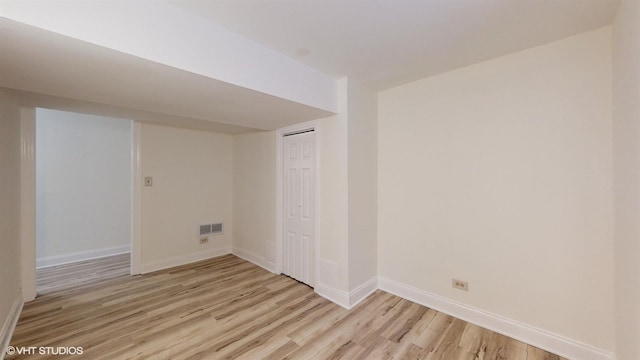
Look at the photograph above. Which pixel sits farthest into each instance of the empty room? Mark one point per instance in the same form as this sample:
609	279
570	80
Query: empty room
315	179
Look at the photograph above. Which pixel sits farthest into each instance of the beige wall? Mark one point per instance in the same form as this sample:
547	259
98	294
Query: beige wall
254	163
333	201
254	196
626	176
500	174
192	185
83	195
347	200
9	205
363	189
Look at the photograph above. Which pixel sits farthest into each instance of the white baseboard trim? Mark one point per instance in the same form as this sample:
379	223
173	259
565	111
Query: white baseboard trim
81	256
332	294
350	299
362	291
551	342
252	258
10	325
184	259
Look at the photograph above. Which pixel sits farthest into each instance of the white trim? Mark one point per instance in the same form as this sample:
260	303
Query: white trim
9	325
362	291
255	259
28	203
347	300
551	342
184	259
332	294
280	133
136	198
81	256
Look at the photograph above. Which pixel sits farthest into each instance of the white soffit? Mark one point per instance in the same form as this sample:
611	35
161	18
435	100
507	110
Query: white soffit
35	100
38	61
384	43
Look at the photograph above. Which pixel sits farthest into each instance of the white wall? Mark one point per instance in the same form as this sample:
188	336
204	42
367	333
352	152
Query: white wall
347	170
83	186
363	183
192	185
626	176
500	174
333	200
9	209
254	196
347	229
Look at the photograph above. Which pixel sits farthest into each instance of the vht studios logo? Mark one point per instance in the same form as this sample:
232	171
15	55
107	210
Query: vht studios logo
44	350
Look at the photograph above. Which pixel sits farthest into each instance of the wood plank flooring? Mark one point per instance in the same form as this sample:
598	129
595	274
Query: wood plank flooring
56	278
227	308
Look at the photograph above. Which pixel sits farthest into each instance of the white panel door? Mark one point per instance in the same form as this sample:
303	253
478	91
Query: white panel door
298	260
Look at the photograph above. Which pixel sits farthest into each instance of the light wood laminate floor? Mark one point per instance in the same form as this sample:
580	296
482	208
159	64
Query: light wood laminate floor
81	273
227	308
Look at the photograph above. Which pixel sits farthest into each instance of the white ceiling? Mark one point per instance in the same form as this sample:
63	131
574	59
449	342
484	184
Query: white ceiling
384	43
381	43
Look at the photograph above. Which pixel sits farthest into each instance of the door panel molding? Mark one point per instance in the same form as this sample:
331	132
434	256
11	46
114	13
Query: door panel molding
299	202
280	208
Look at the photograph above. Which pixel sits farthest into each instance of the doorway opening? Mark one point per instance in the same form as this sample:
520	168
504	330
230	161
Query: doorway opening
83	199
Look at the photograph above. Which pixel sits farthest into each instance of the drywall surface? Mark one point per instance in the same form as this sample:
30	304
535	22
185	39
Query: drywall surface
192	174
626	177
333	200
142	30
83	184
9	206
254	195
500	174
363	180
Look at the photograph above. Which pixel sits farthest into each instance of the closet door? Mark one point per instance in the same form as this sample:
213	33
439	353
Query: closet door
299	206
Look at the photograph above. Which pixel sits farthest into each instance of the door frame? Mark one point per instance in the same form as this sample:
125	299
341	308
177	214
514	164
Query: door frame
28	201
280	134
136	197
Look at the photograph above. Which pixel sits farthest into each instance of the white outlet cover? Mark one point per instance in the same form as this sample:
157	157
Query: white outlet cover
459	284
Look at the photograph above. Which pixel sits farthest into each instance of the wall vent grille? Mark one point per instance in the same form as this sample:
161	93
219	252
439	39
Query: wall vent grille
210	229
205	229
216	228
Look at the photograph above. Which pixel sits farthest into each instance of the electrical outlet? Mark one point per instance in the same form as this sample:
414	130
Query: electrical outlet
459	284
204	240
